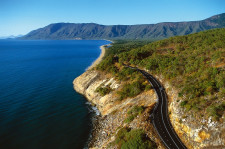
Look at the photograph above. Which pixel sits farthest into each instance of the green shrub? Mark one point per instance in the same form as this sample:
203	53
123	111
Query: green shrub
103	90
183	103
129	119
216	111
131	90
136	110
133	112
148	87
133	139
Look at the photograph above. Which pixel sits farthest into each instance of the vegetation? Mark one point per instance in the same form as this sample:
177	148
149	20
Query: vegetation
125	45
133	139
133	112
134	81
194	64
216	111
103	90
130	90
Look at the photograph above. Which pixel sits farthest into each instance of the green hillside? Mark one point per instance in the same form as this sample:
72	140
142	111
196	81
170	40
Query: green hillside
194	64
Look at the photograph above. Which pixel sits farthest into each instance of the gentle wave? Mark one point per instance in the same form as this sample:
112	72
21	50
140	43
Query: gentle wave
93	108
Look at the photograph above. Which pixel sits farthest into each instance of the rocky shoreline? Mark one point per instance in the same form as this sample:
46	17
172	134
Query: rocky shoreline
95	130
113	112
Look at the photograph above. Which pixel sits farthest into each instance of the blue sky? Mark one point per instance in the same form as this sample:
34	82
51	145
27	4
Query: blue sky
22	16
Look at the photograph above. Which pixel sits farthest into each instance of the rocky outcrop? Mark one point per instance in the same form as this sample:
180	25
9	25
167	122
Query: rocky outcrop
113	111
89	81
87	84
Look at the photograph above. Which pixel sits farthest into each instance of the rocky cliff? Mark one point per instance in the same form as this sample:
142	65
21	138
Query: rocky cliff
113	111
195	132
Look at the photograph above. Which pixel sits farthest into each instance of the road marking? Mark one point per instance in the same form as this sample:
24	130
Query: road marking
166	116
160	89
162	109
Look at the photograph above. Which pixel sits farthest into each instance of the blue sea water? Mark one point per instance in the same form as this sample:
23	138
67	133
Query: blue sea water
39	108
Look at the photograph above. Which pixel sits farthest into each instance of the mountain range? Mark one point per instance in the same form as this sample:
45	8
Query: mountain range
67	31
11	37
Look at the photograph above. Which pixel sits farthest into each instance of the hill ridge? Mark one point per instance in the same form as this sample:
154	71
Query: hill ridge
64	31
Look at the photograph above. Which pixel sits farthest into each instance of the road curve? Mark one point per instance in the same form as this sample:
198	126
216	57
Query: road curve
159	117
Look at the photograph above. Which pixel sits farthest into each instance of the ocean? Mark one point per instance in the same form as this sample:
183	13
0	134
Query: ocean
39	108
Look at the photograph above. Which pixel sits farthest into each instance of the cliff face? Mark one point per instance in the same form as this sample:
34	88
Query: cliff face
195	132
113	111
89	81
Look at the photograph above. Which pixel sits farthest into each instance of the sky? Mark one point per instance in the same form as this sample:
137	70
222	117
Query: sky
22	16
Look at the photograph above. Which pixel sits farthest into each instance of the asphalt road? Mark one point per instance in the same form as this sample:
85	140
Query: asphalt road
159	117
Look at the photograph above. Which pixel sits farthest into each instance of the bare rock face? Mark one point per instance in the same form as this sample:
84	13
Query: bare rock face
87	84
82	82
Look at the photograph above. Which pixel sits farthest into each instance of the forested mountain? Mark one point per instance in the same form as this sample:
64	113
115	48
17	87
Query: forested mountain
146	31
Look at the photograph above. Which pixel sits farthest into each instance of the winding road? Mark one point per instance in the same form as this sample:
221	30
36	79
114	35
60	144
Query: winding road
159	117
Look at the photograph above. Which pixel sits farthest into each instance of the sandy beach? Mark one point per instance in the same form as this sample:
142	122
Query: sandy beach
98	60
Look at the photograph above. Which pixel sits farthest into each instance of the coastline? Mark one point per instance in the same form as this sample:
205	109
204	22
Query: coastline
96	119
112	113
99	59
